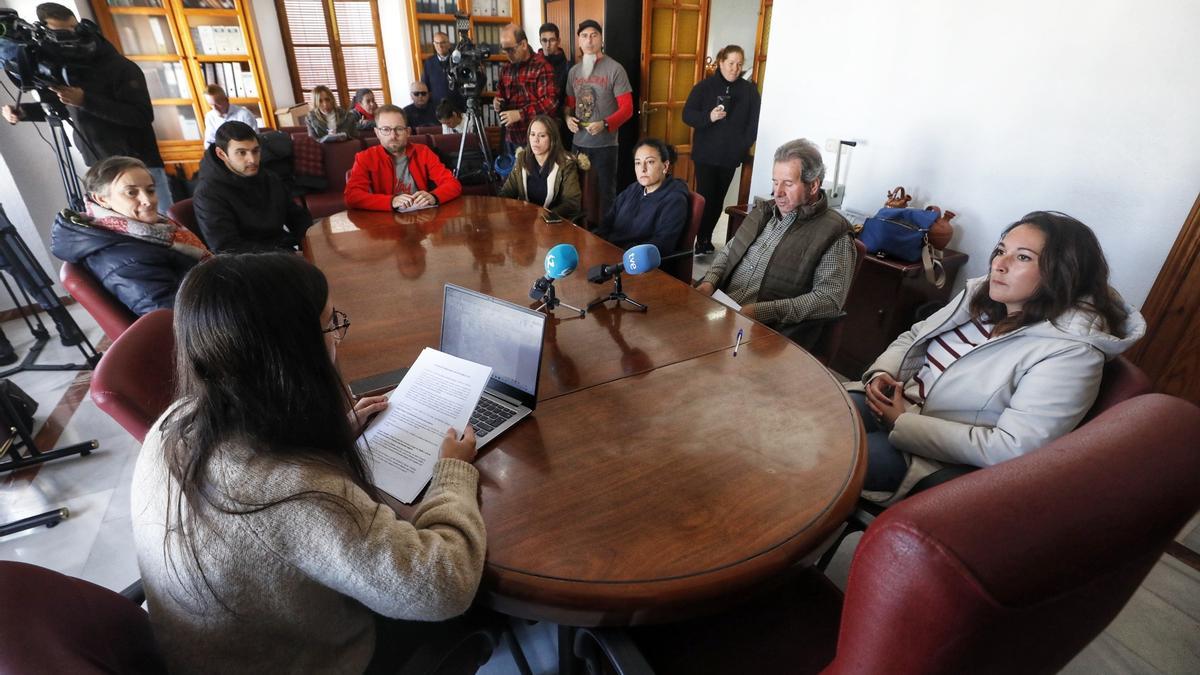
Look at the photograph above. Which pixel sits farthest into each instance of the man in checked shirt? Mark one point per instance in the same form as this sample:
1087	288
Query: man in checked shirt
792	259
526	88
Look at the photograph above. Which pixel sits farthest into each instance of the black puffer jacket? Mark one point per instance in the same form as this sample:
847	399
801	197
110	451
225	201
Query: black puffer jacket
117	117
237	214
143	276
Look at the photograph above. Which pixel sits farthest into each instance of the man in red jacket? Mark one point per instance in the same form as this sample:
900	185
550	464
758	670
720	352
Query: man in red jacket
396	175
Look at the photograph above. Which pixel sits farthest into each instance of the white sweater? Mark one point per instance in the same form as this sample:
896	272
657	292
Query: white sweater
302	577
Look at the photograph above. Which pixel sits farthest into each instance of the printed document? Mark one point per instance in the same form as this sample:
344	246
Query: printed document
440	391
719	296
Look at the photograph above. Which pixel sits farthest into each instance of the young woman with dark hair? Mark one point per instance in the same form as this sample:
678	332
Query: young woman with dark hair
1012	363
261	542
544	173
654	209
362	108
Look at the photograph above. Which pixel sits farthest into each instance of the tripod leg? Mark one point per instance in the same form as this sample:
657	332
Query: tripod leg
639	306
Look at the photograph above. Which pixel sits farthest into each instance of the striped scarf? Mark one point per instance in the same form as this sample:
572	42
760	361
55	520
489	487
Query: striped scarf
164	232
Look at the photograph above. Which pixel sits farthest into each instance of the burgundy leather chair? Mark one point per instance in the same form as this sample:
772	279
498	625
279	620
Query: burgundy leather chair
134	381
428	130
113	316
681	268
184	213
60	624
1012	569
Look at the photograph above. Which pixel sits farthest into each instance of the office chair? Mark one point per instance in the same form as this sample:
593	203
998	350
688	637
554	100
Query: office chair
681	268
134	381
112	315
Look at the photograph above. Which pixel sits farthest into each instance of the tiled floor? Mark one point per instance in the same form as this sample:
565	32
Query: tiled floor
1158	632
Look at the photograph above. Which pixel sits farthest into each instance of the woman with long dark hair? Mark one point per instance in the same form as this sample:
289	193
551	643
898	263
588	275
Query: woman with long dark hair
723	109
1012	363
262	543
654	208
544	173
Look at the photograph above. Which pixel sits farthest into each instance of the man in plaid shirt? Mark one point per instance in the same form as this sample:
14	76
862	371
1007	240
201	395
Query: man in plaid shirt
526	88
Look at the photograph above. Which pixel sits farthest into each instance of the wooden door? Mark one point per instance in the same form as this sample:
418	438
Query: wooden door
1170	352
674	33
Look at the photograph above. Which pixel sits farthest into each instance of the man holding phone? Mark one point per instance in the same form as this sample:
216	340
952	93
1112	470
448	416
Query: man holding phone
397	175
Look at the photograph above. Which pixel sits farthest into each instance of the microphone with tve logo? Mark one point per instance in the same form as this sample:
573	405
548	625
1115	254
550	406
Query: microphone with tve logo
637	260
561	260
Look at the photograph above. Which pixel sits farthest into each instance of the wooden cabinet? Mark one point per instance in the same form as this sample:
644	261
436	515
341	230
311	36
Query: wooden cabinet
426	18
183	46
883	304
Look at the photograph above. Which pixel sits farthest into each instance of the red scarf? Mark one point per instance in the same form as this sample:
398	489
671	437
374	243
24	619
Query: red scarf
365	115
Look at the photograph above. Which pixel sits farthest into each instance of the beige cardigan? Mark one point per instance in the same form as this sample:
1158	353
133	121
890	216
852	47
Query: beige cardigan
302	577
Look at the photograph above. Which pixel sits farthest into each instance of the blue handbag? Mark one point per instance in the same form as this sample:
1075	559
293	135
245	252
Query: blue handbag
903	234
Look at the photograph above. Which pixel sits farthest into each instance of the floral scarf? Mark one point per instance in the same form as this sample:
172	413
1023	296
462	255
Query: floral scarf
164	232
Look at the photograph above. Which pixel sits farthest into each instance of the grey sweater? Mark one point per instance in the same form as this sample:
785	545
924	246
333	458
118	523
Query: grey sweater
302	577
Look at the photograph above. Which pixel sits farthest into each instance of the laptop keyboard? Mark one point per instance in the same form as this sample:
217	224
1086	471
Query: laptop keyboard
488	415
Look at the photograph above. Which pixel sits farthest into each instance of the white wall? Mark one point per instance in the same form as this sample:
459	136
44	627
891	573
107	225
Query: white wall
995	109
30	188
275	61
731	23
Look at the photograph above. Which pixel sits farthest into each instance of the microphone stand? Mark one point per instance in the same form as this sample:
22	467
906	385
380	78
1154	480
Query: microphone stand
550	302
617	295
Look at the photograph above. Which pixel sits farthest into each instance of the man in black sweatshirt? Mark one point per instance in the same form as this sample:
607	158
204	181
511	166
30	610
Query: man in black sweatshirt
239	207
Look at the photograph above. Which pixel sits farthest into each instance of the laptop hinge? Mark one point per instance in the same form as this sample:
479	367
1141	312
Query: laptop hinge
507	399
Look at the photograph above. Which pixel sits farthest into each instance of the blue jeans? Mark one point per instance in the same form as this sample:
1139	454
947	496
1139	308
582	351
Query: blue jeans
162	188
885	464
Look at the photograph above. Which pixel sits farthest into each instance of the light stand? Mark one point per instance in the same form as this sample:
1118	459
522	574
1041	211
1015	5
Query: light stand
550	301
617	295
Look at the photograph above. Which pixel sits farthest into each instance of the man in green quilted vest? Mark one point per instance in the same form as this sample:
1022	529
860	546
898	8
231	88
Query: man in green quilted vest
792	259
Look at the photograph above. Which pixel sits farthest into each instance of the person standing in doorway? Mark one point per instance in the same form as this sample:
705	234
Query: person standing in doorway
723	109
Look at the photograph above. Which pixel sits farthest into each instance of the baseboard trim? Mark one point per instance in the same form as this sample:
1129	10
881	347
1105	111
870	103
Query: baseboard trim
15	312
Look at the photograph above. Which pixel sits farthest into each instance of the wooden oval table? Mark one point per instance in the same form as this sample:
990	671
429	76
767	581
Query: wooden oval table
660	476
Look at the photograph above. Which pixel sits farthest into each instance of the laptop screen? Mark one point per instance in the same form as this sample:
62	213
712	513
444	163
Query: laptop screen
495	333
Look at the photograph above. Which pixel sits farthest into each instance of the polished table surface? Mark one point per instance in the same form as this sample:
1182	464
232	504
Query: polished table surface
660	476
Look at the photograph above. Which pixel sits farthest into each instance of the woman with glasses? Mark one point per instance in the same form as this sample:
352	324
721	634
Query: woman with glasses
262	543
544	173
723	109
326	121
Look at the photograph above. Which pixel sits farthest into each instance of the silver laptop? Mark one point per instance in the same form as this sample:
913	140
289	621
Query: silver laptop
507	337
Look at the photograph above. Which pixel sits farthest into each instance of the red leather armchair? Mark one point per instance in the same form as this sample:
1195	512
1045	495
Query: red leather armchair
113	316
1012	569
61	624
134	381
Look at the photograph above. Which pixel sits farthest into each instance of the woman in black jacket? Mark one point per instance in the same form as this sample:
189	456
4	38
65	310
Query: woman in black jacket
723	109
137	254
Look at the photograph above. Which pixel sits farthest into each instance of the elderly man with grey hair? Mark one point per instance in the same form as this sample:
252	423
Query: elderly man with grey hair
792	259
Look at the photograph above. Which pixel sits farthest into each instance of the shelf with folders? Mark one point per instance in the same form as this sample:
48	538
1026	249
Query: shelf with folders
426	18
182	46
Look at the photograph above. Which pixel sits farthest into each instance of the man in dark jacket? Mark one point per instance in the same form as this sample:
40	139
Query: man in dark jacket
109	105
433	73
240	208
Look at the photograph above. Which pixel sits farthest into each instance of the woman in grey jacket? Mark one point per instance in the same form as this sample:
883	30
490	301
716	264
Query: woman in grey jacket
1013	362
262	544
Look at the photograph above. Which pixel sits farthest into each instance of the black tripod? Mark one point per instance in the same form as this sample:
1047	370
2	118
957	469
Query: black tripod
617	295
550	300
474	124
19	450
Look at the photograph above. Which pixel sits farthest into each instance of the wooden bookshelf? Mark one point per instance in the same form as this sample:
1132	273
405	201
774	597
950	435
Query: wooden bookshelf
183	46
426	17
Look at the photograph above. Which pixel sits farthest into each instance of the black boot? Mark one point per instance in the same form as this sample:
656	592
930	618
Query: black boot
7	353
68	330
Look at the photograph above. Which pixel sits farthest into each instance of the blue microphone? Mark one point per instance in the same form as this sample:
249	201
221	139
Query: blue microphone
641	259
561	260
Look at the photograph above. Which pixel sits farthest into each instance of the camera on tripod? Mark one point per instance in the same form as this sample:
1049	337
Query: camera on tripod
467	76
35	56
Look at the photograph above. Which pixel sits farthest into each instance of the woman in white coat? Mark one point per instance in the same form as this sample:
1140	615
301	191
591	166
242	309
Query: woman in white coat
1012	363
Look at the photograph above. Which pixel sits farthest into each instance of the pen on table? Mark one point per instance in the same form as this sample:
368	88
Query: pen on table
737	343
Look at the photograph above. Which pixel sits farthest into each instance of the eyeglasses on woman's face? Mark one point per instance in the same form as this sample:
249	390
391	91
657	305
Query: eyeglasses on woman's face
339	324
